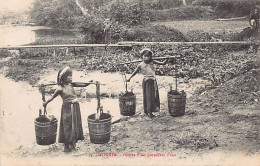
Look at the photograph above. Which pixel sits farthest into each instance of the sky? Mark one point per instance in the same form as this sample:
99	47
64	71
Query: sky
15	5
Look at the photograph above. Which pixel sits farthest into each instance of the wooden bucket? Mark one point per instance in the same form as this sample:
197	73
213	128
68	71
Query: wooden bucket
45	130
127	104
99	130
176	103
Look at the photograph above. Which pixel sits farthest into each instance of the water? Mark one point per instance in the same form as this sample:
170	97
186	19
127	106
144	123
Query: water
17	35
21	35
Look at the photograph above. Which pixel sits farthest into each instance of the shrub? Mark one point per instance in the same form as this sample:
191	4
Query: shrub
56	14
181	13
117	32
92	28
228	8
155	33
198	36
129	13
163	4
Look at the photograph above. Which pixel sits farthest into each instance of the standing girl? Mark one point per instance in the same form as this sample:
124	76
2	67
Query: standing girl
254	19
107	31
151	101
70	122
254	22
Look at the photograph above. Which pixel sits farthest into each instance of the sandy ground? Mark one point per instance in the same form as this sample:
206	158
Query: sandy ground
208	134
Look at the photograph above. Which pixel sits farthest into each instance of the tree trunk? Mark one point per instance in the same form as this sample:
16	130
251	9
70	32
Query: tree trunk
84	11
184	2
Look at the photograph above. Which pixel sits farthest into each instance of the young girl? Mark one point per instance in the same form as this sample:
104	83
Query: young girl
107	31
254	19
70	122
151	101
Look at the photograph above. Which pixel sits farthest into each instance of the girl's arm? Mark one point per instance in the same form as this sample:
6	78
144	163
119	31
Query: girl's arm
134	73
161	63
56	93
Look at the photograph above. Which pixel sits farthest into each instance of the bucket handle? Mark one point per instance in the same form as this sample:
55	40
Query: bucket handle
124	79
98	95
176	76
42	90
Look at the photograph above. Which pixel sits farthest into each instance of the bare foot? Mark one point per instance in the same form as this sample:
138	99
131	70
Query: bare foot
151	115
72	147
67	148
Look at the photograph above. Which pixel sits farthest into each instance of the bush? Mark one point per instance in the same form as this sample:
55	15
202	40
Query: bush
92	27
228	8
155	33
200	36
117	32
163	4
181	13
56	14
129	13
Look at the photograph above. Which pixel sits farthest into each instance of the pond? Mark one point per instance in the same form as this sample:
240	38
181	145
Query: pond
23	35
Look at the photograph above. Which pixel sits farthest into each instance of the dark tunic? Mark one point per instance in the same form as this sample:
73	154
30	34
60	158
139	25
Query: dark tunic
254	22
70	123
107	31
151	100
255	17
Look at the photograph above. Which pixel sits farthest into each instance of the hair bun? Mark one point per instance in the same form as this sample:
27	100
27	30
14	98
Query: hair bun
146	51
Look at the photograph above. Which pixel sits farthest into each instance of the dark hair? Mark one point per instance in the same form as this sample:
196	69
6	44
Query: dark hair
255	9
60	79
147	52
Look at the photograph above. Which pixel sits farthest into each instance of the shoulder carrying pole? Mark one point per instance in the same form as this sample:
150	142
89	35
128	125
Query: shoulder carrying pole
158	58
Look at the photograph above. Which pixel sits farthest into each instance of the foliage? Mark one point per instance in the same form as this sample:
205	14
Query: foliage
214	62
57	36
57	14
228	8
158	33
129	13
181	13
5	53
130	20
92	28
200	36
163	4
118	32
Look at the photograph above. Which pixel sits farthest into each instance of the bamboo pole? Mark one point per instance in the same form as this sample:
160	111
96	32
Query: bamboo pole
80	84
159	58
65	46
187	43
123	44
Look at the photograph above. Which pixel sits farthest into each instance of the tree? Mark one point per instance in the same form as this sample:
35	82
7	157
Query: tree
55	13
84	11
43	12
